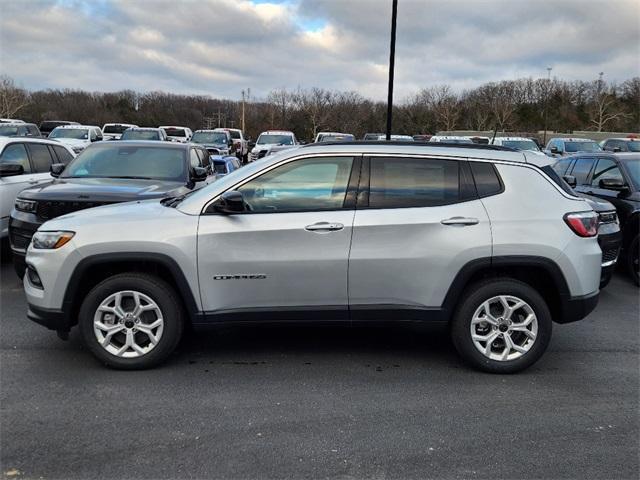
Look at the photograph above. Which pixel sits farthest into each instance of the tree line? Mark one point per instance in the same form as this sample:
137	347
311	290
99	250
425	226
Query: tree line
509	105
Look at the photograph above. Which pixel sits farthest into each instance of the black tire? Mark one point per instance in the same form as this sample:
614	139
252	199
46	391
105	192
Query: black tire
474	297
157	290
632	260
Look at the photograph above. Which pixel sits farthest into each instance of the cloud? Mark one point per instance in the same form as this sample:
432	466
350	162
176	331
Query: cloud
219	47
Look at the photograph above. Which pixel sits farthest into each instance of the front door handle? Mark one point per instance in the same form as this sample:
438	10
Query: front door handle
460	221
324	227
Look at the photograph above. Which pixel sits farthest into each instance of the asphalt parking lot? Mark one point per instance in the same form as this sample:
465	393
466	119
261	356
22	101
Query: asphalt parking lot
313	402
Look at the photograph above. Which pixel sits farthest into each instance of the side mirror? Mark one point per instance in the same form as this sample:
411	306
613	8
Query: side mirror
230	202
617	149
554	150
612	184
198	174
11	169
571	180
56	169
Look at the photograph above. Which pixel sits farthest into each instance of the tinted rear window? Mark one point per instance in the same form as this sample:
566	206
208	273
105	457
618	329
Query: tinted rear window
486	178
413	182
175	132
115	128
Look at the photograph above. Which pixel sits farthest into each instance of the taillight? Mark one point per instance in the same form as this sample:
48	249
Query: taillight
583	224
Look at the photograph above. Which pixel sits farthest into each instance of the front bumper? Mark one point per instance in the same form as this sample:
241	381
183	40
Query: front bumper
53	319
22	226
610	244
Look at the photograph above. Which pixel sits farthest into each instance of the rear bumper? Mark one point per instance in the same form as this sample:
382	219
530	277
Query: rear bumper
577	308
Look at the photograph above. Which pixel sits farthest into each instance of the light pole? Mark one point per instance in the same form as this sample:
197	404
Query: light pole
392	58
546	101
242	112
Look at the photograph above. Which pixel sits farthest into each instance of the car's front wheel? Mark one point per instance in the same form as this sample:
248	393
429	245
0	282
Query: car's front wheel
502	326
131	321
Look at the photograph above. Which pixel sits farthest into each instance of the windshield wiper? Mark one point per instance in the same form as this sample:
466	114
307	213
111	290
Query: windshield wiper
175	200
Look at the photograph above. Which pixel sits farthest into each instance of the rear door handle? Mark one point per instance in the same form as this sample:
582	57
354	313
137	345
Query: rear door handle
460	221
324	227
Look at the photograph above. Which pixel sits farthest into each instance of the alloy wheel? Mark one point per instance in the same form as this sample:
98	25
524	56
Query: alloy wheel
128	324
504	328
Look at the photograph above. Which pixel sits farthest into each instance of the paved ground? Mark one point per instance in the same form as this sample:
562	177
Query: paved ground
322	402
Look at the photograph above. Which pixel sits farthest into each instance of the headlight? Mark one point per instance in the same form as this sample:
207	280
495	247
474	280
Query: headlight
28	206
51	240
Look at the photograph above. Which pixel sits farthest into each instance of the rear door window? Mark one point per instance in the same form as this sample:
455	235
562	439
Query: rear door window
413	182
40	157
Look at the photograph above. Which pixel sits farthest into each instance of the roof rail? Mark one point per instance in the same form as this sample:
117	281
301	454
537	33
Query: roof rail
474	146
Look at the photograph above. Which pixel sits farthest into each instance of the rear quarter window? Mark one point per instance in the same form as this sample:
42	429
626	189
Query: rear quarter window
487	180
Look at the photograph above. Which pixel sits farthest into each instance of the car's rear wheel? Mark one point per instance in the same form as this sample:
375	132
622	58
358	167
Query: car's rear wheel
131	321
633	259
502	326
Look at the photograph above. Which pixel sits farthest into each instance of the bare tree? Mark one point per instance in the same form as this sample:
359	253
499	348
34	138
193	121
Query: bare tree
445	105
502	97
12	98
604	106
280	99
316	105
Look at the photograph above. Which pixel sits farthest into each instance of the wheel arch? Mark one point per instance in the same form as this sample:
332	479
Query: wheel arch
92	270
541	273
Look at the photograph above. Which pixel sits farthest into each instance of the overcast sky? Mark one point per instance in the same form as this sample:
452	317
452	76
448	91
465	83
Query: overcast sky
219	47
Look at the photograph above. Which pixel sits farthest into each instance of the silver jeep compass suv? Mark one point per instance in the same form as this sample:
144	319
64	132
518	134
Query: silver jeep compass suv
473	236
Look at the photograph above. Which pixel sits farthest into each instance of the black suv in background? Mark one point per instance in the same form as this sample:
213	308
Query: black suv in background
106	173
615	178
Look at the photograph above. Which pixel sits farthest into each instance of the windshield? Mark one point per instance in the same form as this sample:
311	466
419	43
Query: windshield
633	167
209	137
582	147
140	135
7	131
124	161
274	139
520	144
175	132
114	128
77	133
